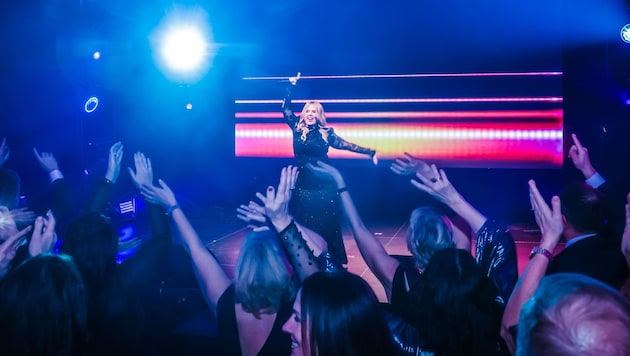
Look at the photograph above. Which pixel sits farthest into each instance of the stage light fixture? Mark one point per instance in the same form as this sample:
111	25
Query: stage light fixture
90	104
625	33
96	55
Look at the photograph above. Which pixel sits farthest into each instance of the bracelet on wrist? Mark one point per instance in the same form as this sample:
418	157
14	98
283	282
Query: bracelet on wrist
172	208
342	189
541	251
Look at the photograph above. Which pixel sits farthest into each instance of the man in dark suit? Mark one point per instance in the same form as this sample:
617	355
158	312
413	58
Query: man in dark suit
589	248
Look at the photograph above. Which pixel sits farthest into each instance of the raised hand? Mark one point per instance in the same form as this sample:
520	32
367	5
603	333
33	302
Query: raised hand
8	248
44	236
409	165
5	152
549	219
277	201
162	195
113	162
22	216
375	159
254	215
294	80
325	170
143	174
47	160
437	184
580	158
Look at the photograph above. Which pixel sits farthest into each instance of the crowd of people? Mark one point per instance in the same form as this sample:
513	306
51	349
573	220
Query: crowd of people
291	292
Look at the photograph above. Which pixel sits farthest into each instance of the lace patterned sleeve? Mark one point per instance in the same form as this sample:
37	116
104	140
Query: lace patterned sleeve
299	254
339	143
496	256
289	116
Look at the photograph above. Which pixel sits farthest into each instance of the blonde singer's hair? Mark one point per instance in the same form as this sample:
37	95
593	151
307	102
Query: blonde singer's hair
321	120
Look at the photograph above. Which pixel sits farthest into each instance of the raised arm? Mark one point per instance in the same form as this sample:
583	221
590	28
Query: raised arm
580	158
286	102
438	185
212	278
144	264
549	219
376	257
102	193
294	242
339	143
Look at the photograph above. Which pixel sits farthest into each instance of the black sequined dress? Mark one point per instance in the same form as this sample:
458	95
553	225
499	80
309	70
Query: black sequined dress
315	201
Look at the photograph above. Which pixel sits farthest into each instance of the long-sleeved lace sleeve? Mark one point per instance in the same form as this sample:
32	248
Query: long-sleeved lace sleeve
339	143
496	256
289	116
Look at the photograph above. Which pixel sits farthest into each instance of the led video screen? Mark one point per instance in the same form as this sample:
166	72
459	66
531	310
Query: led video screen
484	119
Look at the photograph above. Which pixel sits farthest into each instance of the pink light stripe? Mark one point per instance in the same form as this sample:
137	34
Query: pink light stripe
417	75
552	99
499	114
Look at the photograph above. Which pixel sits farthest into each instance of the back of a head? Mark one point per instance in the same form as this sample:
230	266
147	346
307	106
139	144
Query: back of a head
43	308
582	206
572	314
454	305
344	316
9	188
92	243
428	233
263	278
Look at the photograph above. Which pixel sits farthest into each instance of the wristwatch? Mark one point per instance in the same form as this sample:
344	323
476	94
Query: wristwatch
539	250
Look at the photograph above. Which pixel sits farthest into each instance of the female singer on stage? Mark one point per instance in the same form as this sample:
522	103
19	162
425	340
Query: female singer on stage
315	201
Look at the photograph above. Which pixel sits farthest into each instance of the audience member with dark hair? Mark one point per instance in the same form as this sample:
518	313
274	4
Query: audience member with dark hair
116	314
455	308
572	314
338	314
587	249
43	308
335	312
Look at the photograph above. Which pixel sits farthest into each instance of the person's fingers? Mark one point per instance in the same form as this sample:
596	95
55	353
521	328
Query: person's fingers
444	178
39	157
538	202
434	170
261	197
422	187
576	141
409	157
426	181
556	207
13	241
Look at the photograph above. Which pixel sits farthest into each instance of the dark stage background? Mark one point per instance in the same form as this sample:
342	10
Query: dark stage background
47	72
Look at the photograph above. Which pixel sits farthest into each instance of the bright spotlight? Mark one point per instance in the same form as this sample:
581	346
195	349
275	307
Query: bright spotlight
182	44
96	55
625	33
184	48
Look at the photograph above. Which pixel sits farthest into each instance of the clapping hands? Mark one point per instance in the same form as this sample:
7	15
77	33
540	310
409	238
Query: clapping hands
549	219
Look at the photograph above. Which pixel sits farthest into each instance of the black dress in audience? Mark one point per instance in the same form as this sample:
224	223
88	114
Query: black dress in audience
278	342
